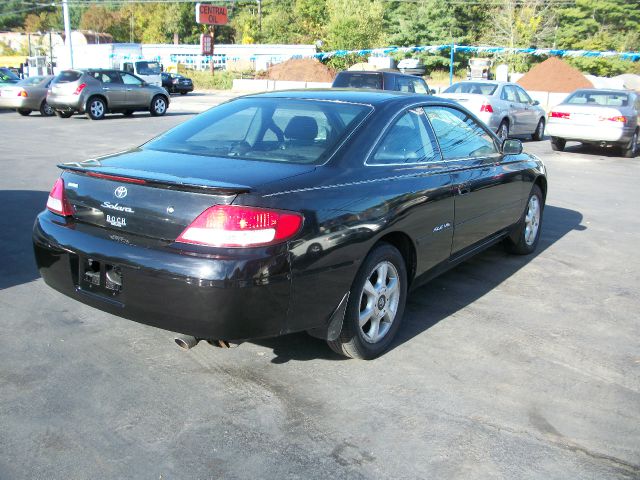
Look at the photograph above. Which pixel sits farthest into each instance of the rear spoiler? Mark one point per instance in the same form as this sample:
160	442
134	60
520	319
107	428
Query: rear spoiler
157	180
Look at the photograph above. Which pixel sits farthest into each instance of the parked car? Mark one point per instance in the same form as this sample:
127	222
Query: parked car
27	95
381	80
597	117
101	91
7	77
505	107
197	231
176	83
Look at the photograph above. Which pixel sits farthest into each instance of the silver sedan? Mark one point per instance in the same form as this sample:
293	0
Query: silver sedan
608	118
504	107
27	95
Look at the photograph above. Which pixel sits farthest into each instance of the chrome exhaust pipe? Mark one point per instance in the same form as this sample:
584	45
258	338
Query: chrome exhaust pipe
186	342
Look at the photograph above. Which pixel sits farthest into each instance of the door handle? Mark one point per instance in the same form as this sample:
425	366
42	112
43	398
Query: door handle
106	89
129	89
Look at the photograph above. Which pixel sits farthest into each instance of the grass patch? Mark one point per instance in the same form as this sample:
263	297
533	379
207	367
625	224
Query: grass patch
203	80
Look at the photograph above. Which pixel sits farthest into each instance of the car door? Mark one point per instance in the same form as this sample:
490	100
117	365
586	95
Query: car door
487	190
530	114
137	95
416	185
516	110
112	87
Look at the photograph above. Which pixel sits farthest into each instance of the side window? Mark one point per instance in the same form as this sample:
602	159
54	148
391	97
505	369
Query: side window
459	135
509	94
128	67
524	97
107	77
419	86
409	140
129	79
404	85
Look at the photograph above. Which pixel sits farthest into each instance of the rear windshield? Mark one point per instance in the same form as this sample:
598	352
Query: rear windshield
358	80
269	129
67	76
605	99
7	75
148	68
472	87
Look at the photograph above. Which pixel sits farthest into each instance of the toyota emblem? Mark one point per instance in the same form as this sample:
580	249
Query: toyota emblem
120	192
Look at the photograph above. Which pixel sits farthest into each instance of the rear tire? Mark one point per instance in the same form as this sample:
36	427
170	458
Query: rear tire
631	150
46	110
96	108
63	114
376	305
524	238
503	130
539	133
158	106
24	112
558	144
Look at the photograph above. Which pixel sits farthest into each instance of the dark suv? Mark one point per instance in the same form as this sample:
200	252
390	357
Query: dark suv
381	80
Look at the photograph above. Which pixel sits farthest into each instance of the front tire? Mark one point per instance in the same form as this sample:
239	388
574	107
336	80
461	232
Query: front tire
158	106
24	112
631	150
558	144
524	239
376	305
96	108
539	133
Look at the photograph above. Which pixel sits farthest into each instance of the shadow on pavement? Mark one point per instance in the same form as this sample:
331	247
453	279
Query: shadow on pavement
445	295
21	208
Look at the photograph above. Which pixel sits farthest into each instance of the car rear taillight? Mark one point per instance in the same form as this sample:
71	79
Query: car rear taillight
23	93
558	114
238	226
80	88
57	201
486	107
619	118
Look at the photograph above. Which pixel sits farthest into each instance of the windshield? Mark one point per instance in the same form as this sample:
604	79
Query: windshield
605	99
148	68
480	88
269	129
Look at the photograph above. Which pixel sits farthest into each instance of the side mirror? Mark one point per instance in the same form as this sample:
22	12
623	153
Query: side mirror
535	102
511	146
432	91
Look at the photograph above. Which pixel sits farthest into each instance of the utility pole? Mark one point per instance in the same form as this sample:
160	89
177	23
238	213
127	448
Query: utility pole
260	16
50	54
67	30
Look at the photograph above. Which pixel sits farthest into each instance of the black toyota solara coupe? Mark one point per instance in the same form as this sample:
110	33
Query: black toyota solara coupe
314	210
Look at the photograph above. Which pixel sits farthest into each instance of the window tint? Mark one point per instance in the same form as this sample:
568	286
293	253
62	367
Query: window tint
279	130
459	135
481	88
523	96
409	140
129	79
106	77
358	80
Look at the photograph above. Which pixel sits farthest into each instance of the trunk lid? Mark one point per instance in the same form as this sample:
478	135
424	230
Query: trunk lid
471	101
158	194
588	115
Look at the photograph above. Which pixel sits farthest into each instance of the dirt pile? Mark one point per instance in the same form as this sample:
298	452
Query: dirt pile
554	75
301	70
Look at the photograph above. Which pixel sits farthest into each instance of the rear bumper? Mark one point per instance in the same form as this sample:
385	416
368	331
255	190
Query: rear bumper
224	296
22	103
589	133
182	88
66	103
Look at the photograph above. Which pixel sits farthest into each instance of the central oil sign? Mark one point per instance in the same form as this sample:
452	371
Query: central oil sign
211	14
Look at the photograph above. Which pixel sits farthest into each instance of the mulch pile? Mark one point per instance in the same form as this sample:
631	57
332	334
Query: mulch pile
554	75
301	70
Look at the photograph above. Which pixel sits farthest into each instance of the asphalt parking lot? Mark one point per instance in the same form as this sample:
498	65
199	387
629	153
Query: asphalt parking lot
506	367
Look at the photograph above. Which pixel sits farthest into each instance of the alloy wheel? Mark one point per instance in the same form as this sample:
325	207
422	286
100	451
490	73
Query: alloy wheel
97	108
379	301
532	220
159	106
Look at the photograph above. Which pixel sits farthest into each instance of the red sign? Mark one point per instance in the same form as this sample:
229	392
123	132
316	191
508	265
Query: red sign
206	44
211	14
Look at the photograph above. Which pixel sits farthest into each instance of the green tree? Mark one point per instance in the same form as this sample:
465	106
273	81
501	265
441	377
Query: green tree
355	24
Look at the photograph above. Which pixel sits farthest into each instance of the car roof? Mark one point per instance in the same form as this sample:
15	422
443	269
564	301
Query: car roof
615	91
378	72
351	95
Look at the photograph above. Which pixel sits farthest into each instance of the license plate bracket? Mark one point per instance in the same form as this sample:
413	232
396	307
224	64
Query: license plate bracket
99	277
